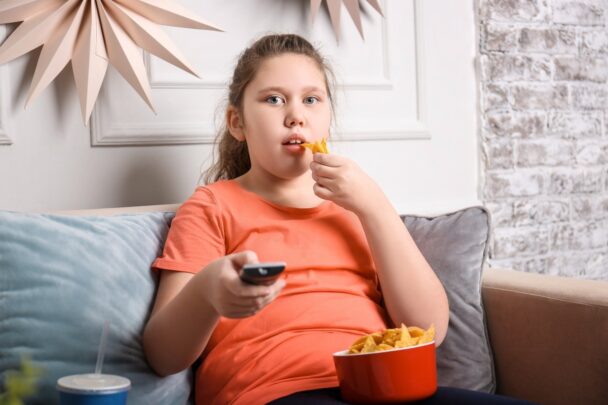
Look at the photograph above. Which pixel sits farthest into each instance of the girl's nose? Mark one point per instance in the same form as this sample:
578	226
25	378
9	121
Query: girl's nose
294	118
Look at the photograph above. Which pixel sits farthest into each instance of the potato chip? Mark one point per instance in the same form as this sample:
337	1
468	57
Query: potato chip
317	147
356	348
428	336
405	339
393	339
415	331
369	346
390	336
377	336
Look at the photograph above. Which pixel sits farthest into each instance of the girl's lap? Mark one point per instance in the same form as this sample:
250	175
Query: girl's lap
444	395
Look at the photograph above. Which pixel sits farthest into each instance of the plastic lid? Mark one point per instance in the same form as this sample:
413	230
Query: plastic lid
93	383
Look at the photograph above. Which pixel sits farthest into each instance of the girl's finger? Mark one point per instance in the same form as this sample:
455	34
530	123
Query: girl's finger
240	259
245	290
249	304
238	288
324	171
328	184
252	305
320	179
246	303
269	299
278	286
261	302
321	192
245	311
327	159
238	314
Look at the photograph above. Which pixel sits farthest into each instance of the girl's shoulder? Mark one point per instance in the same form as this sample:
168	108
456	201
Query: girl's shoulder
211	199
219	193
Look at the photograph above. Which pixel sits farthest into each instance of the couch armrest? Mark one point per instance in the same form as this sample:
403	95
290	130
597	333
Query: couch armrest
548	335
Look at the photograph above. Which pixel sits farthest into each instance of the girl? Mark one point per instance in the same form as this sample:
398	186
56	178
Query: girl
352	267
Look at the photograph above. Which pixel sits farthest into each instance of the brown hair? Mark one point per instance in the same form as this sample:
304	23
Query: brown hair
233	160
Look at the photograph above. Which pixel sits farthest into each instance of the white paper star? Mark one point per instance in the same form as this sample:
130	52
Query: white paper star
91	33
335	6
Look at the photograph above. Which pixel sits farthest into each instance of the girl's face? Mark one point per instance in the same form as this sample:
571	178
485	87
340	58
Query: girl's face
284	105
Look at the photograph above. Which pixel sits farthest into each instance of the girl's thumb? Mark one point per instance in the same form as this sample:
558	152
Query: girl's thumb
242	258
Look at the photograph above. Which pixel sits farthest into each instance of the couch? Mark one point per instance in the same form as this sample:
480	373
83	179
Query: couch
549	336
537	337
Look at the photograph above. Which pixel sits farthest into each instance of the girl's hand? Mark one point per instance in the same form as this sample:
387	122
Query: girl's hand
340	180
231	297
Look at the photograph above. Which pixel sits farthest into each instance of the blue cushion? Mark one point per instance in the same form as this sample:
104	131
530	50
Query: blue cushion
61	277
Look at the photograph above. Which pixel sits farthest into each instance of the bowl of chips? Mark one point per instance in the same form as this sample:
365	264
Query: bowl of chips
393	365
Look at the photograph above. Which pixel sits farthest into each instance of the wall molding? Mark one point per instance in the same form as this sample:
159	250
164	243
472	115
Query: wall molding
103	133
5	97
421	77
217	82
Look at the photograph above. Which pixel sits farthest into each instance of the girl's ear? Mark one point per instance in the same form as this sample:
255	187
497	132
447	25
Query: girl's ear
234	123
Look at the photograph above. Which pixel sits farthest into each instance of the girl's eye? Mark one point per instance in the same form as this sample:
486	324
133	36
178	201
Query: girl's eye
274	100
311	100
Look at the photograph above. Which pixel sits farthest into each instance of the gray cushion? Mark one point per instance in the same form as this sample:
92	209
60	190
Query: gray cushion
61	277
456	246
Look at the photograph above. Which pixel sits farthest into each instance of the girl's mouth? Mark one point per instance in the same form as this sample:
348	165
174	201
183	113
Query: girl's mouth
294	146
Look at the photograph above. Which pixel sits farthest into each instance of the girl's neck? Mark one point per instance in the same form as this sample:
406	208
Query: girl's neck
297	192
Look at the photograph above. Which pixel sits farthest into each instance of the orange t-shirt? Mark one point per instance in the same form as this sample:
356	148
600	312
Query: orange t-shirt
332	295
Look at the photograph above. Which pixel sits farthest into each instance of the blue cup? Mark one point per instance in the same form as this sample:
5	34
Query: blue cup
93	389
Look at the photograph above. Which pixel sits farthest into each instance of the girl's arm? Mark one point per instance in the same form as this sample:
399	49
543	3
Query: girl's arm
181	323
188	307
412	292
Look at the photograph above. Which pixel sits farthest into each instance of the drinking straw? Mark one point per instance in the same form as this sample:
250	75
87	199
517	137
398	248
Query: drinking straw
102	347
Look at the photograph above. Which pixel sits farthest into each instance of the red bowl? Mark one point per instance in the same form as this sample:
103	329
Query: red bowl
397	375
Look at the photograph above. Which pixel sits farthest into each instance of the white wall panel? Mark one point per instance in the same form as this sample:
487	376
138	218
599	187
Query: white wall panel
386	66
407	111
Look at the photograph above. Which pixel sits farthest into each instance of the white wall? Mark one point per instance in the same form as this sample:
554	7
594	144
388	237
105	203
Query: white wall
429	165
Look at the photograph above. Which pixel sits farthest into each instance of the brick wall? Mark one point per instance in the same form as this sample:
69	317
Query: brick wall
543	118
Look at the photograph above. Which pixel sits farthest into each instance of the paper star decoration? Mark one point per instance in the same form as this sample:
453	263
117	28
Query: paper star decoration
91	33
353	8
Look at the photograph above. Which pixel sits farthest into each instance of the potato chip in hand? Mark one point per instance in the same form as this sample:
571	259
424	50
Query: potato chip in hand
317	147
